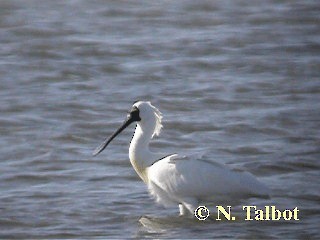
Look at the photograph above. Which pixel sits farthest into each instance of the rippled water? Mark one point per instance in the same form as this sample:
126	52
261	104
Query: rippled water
235	80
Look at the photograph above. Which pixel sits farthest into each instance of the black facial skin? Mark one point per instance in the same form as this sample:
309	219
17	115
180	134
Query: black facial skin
133	116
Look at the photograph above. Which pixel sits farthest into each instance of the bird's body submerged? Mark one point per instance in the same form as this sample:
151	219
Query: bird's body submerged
173	179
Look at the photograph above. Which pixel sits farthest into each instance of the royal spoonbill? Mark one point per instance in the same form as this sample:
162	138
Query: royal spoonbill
173	179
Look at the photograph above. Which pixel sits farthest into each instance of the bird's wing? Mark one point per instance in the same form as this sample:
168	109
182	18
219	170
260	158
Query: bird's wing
182	177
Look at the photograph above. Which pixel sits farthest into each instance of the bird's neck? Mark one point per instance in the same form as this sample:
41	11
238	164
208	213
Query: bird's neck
140	156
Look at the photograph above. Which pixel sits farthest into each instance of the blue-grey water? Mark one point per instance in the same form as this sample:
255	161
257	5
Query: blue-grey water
238	81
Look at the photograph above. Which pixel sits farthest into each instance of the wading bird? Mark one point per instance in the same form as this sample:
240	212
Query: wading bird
182	181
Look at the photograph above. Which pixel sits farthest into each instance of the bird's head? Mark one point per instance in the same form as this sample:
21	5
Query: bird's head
145	114
150	117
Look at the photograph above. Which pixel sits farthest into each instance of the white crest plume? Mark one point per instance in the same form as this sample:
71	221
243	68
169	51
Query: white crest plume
158	116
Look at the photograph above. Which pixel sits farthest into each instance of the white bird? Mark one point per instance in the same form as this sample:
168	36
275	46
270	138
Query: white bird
176	180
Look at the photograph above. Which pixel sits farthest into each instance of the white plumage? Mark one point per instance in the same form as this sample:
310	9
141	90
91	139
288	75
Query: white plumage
179	180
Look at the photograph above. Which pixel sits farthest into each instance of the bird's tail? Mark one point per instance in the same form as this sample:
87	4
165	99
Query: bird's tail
255	187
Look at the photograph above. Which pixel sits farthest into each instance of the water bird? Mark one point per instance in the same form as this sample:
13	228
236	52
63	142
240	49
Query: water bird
178	180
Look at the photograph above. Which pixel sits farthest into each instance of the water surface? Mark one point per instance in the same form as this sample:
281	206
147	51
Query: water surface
236	81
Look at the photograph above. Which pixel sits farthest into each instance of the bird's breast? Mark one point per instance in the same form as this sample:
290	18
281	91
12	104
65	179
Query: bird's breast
140	170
